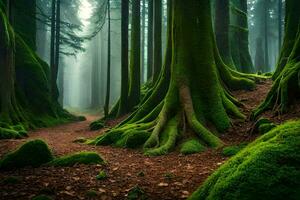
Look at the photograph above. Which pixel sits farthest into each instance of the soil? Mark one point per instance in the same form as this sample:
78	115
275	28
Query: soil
172	176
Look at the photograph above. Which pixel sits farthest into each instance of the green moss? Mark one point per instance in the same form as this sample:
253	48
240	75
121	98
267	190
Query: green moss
80	140
266	169
42	197
91	194
97	125
9	134
264	128
136	193
101	175
78	158
192	146
133	139
33	153
233	150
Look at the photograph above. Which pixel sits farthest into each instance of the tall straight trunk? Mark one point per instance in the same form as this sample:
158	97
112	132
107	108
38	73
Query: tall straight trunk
150	40
95	96
58	95
222	22
107	98
135	56
266	20
53	77
143	40
157	38
279	24
124	59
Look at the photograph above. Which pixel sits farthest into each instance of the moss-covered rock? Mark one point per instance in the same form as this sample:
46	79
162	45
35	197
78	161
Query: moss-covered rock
266	169
33	153
78	158
233	150
192	146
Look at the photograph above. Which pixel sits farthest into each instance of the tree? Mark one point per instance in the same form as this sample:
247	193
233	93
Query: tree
150	40
123	109
285	89
135	57
157	39
106	106
239	36
222	22
191	89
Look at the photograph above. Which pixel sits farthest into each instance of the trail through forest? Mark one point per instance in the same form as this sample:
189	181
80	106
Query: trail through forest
165	177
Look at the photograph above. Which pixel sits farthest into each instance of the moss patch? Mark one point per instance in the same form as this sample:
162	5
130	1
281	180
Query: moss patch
192	146
266	169
33	153
233	150
78	158
101	175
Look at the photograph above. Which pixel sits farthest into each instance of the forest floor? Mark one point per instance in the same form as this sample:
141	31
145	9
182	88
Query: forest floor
172	176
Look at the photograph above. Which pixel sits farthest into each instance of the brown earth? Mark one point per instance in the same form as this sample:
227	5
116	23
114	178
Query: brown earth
172	176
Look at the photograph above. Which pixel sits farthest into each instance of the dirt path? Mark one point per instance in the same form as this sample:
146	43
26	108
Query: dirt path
167	177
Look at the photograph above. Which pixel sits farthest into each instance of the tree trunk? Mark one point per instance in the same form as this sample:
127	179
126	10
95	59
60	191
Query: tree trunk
190	90
222	22
286	87
266	40
279	25
58	95
53	67
157	45
143	41
150	40
123	109
135	57
107	98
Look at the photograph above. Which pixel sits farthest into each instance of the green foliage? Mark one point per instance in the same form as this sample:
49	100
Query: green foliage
12	180
91	194
192	146
233	150
33	153
97	125
266	169
136	193
78	158
102	175
42	197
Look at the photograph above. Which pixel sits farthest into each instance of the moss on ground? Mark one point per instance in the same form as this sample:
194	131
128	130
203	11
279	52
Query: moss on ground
33	153
102	175
77	158
192	146
42	197
266	169
233	150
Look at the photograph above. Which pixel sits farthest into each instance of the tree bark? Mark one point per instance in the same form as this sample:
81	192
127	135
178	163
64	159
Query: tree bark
150	41
157	38
107	98
190	91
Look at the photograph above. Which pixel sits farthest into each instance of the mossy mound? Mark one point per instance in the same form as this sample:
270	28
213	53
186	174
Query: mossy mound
97	125
12	132
233	150
33	153
266	169
77	158
192	146
263	126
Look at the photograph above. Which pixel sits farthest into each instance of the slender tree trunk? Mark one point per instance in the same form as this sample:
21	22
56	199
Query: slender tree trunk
123	107
95	101
266	19
58	95
143	40
157	38
53	68
279	25
107	98
135	56
150	40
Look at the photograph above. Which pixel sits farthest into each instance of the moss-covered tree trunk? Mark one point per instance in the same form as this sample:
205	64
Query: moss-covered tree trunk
222	22
239	36
157	38
135	57
190	92
286	86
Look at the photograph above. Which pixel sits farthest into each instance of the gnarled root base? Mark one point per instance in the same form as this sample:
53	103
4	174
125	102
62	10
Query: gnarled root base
284	90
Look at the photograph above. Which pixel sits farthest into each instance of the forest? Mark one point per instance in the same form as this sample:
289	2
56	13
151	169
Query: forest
150	99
